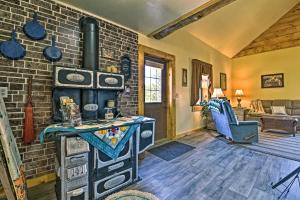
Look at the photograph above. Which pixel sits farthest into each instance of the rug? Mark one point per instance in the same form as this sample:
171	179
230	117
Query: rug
277	144
171	150
131	195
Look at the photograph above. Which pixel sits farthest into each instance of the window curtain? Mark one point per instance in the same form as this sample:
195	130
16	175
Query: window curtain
200	68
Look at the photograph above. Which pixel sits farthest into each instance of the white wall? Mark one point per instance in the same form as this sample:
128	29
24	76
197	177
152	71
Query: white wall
186	47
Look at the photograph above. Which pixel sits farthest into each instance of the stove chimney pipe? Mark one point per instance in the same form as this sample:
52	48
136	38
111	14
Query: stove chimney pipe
90	30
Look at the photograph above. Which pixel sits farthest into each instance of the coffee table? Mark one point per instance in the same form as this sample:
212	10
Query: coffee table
284	123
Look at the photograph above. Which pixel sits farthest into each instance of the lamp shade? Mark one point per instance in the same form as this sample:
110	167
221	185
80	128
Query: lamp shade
239	93
217	93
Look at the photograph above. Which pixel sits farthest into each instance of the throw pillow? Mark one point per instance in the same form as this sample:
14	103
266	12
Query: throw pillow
278	110
256	107
260	107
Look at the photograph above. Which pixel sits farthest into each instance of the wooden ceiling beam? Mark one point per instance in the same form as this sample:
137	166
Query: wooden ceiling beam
189	18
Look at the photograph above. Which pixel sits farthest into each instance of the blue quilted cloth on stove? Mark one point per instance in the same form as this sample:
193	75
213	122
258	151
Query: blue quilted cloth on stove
92	139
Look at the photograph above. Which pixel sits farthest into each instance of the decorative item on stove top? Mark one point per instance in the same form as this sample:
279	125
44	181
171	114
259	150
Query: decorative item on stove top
12	49
70	111
34	30
52	53
110	103
112	69
109	115
126	67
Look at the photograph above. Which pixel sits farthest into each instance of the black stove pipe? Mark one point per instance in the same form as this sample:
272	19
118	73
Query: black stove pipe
90	30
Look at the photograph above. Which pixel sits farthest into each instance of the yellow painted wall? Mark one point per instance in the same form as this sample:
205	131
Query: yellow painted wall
247	71
186	47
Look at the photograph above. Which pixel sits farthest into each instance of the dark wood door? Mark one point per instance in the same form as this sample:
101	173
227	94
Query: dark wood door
155	103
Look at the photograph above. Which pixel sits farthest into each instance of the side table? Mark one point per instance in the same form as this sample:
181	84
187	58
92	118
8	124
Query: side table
240	113
210	124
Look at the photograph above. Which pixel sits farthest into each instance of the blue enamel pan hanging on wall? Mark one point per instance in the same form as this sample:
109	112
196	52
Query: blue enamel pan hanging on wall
34	30
53	53
12	49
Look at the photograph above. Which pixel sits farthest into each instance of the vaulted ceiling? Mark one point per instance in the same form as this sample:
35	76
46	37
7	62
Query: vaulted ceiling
229	29
233	27
143	16
284	33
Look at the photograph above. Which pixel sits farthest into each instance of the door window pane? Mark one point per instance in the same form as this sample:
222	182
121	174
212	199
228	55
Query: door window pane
152	84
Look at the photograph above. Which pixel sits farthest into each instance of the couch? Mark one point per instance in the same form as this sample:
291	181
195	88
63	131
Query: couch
227	124
292	108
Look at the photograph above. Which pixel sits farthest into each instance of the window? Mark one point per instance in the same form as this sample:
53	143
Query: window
153	84
201	84
205	82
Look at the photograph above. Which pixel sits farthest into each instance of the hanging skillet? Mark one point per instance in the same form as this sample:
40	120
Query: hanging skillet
34	30
12	49
53	53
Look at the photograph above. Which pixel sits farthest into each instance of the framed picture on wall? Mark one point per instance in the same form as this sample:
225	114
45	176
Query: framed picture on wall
223	81
272	80
184	77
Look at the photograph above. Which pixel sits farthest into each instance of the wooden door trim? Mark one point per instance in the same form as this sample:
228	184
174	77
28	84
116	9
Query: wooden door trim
170	86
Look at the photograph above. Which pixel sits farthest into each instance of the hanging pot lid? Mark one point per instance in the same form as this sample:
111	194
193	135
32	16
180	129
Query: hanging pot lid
12	49
53	53
34	30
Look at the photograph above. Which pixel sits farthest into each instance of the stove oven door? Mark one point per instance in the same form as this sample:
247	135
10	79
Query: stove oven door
102	160
112	183
146	135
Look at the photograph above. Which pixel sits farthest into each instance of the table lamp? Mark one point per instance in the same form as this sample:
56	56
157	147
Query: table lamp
239	93
217	93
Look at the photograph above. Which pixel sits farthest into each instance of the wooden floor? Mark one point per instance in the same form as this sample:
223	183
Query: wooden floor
280	144
213	170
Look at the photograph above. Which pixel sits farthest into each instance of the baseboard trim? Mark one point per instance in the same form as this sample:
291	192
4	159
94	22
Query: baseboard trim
189	132
40	180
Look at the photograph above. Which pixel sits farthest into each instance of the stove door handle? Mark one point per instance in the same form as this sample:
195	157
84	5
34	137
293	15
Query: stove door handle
75	158
76	192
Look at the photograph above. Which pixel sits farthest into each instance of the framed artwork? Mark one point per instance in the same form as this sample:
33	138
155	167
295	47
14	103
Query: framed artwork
223	81
184	77
272	80
108	53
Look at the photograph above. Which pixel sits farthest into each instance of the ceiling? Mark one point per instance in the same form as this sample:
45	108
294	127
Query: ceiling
234	26
143	16
228	29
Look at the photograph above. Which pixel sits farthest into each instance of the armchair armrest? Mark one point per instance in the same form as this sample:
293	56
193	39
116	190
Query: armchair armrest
248	122
245	123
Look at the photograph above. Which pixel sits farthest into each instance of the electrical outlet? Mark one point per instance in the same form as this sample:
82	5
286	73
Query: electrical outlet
3	92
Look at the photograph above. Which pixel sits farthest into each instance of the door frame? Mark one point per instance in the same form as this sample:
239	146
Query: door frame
170	85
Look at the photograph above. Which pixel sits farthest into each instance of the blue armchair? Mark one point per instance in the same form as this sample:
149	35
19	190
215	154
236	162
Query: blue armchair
227	124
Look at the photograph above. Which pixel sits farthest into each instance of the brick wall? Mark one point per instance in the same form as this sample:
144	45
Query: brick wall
63	22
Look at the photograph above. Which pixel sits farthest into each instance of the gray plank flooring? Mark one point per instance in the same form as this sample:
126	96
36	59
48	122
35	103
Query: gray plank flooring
278	144
213	170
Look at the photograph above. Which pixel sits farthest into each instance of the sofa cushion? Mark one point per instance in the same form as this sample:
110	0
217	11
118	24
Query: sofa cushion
278	102
286	103
278	110
282	102
296	111
296	104
295	107
267	105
